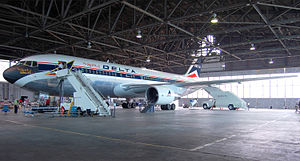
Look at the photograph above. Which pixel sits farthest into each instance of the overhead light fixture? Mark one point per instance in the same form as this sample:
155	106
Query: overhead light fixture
252	47
139	35
271	61
89	45
214	19
148	59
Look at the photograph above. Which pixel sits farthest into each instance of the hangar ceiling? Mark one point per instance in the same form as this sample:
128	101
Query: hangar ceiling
174	32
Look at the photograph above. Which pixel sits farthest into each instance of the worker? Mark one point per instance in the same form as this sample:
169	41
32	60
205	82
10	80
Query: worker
16	106
140	106
5	106
21	103
298	107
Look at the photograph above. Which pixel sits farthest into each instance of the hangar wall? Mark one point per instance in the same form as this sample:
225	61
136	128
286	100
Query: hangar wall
254	102
12	92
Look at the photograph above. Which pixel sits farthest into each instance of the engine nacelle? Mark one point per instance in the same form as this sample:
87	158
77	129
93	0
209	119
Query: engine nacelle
160	95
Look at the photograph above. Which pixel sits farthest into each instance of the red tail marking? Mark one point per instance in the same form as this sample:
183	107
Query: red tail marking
192	75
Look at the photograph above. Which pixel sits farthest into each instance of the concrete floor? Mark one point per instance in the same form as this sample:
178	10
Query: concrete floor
165	135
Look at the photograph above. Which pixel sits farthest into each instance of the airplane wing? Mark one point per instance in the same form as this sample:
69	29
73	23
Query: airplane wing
217	82
130	86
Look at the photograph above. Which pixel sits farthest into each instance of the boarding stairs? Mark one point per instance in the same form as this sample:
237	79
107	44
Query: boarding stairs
85	96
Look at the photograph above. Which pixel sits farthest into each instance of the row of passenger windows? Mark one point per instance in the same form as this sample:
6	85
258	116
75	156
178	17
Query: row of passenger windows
108	73
28	63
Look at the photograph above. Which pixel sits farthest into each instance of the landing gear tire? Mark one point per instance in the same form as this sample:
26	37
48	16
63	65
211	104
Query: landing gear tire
168	106
186	106
79	112
231	107
205	107
125	105
132	105
163	107
173	106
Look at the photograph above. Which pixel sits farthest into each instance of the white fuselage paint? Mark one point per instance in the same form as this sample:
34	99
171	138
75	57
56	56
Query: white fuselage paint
108	85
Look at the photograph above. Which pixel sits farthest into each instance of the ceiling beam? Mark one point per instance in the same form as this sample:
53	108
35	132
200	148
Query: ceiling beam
270	27
177	27
276	5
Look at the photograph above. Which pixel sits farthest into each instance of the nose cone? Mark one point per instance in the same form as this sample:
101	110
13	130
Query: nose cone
11	75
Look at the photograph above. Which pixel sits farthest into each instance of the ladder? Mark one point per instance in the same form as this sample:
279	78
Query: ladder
85	96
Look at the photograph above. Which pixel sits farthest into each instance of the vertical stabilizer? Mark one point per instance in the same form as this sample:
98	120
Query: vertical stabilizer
194	71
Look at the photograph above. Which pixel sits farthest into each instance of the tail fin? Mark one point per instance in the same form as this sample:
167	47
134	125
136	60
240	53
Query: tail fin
194	71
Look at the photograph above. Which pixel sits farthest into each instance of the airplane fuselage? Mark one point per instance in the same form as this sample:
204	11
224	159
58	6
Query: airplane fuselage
106	78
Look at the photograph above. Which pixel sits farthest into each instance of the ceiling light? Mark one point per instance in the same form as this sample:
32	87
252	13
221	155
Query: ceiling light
148	59
89	45
139	35
271	61
252	47
214	19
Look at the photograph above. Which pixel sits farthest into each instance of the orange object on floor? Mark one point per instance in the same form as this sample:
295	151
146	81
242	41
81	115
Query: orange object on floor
61	110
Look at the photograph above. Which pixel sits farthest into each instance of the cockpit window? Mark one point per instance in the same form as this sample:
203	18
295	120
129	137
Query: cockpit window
28	63
21	63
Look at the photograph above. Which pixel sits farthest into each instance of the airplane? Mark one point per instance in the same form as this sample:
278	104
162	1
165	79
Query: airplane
113	80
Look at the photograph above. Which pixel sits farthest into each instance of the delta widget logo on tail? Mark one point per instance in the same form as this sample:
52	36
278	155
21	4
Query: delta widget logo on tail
194	71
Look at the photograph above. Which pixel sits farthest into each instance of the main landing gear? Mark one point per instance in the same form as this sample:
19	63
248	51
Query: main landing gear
168	107
129	105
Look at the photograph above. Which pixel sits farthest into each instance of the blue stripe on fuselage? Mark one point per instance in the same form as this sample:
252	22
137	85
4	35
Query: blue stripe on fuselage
49	67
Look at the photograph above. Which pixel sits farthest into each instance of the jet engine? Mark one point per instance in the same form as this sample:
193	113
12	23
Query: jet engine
160	95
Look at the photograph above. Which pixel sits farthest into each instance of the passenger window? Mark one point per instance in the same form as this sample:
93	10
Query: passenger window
34	63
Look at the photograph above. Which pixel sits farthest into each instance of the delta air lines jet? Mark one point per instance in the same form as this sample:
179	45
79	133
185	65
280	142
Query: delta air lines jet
114	80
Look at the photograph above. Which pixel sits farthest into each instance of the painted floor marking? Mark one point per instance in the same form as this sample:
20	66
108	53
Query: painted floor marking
142	143
101	137
231	136
212	143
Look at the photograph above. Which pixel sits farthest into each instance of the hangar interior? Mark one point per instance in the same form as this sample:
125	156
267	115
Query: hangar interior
229	39
249	35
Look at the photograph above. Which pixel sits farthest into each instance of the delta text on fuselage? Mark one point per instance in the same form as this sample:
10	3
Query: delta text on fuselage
110	67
